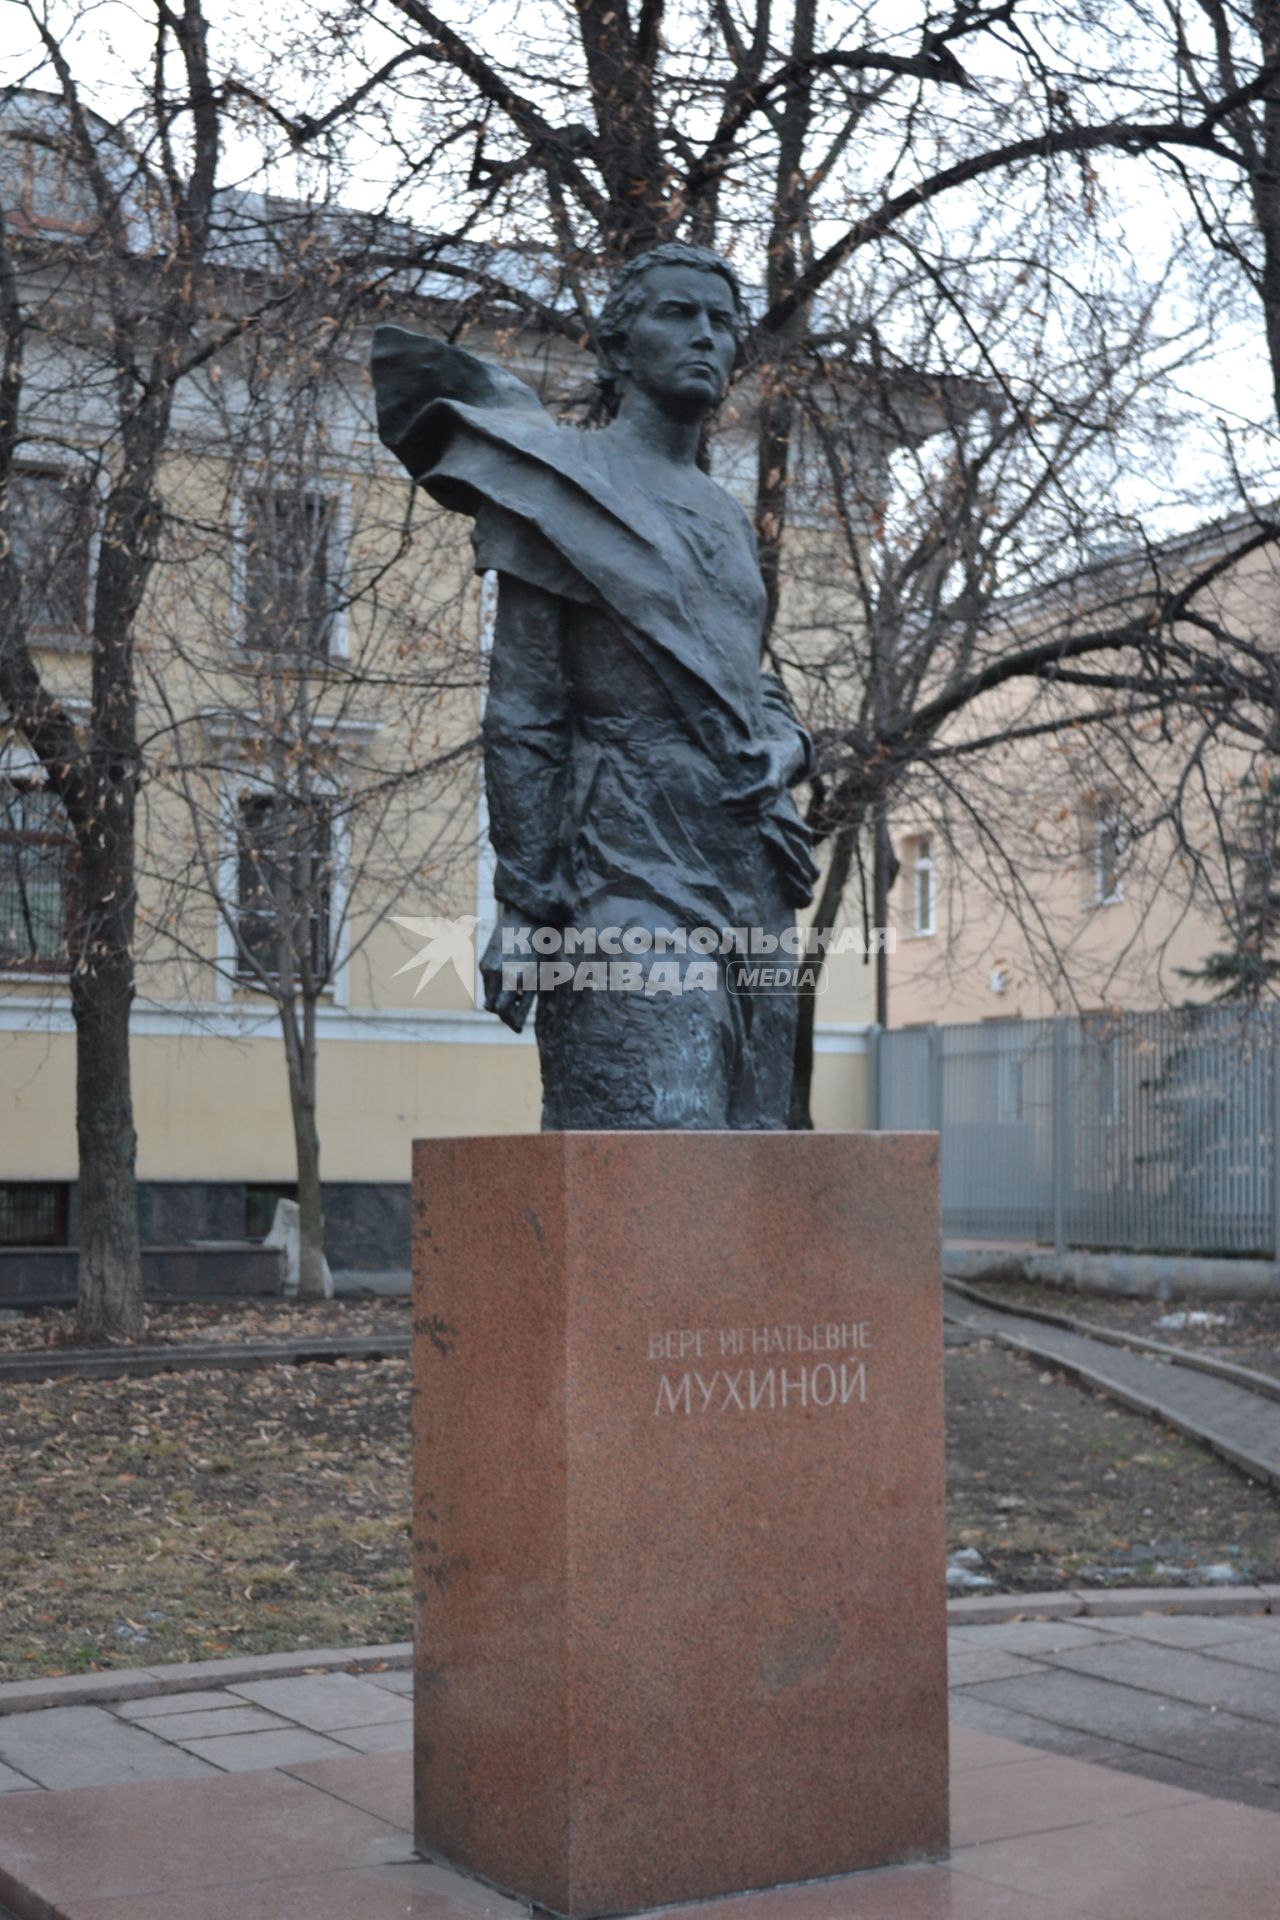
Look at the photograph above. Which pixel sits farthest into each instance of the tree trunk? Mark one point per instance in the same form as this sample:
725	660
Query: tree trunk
300	1056
110	1306
800	1119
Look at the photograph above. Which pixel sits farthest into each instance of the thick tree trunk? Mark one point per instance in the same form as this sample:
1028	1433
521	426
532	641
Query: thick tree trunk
312	1266
110	1305
300	1056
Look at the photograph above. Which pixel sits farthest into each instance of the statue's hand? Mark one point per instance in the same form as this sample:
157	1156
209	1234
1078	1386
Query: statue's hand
780	766
511	1004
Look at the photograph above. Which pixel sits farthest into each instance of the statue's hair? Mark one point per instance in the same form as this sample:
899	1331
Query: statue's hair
627	292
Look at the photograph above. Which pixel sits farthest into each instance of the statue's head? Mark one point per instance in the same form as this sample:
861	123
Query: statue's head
654	285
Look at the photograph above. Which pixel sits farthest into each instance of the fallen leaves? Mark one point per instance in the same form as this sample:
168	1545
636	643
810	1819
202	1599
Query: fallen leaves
169	1517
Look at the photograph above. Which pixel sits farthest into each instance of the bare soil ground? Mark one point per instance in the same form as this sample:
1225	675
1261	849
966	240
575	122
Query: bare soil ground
1056	1486
184	1516
1246	1331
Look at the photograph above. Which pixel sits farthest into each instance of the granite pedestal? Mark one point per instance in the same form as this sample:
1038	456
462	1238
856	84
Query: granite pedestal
678	1511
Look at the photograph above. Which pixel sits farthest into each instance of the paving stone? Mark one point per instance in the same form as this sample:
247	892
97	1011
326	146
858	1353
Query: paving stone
325	1701
417	1892
237	1718
1260	1651
898	1893
971	1664
162	1703
995	1803
970	1749
1180	1629
247	1752
87	1747
388	1736
1181	1773
380	1783
1110	1710
106	1843
1025	1730
1181	1674
1029	1637
1200	1860
393	1682
11	1782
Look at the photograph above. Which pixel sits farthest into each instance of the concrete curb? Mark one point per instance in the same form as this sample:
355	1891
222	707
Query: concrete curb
974	1610
117	1363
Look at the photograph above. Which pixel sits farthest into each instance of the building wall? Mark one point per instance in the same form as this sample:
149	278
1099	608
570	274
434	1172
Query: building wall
213	1114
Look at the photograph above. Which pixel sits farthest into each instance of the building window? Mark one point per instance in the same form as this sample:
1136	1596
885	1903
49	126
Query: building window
36	857
44	189
284	885
290	568
51	527
1109	843
34	1213
924	889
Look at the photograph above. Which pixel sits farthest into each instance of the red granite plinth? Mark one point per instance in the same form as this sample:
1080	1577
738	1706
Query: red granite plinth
678	1511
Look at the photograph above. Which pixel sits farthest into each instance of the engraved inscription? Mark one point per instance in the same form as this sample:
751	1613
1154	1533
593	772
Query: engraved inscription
760	1387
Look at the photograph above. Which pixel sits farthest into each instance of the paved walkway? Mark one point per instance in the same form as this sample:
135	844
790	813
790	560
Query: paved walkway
1241	1425
1104	1768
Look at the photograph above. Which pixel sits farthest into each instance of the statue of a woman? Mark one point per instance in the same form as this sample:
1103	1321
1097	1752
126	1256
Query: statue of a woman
637	760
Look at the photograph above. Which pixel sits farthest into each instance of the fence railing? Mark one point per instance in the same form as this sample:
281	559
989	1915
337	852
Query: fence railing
1131	1132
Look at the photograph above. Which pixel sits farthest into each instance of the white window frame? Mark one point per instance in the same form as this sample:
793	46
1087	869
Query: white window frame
237	784
923	865
38	456
18	762
325	487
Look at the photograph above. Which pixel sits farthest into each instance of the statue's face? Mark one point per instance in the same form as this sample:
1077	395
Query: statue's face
681	344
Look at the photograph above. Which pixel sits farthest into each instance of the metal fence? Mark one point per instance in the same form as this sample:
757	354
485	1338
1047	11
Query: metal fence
1129	1132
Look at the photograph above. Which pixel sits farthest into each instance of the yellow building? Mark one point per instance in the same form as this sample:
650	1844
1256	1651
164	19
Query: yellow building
1078	892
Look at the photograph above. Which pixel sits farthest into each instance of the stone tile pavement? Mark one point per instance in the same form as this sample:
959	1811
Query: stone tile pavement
1104	1768
184	1736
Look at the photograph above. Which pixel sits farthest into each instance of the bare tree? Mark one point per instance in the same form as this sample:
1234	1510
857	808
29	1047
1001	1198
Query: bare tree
99	315
316	691
905	197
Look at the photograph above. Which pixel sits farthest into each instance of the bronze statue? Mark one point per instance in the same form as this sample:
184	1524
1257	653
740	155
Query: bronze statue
637	759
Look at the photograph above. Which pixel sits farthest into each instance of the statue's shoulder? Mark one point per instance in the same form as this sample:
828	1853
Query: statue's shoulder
411	370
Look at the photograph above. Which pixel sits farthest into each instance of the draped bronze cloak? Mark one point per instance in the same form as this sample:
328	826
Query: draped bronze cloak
557	508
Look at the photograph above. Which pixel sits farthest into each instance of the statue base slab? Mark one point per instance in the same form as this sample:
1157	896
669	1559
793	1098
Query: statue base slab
678	1511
